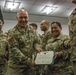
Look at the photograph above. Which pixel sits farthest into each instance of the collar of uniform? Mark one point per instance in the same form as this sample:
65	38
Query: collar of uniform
59	37
21	29
45	32
1	32
74	11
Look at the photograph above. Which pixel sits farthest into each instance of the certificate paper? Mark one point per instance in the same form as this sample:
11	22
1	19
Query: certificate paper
45	57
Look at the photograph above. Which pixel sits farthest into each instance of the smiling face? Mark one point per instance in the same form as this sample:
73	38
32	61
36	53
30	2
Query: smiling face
55	29
22	18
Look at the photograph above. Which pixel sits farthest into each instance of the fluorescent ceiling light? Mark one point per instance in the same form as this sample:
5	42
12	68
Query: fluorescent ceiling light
48	9
12	5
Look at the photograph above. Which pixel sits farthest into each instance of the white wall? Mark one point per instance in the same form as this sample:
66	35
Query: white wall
65	29
11	23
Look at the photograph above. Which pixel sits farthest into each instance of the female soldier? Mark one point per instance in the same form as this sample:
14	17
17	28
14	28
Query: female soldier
60	44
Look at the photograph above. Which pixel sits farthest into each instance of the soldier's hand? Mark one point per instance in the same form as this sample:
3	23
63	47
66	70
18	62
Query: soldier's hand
32	62
57	54
39	50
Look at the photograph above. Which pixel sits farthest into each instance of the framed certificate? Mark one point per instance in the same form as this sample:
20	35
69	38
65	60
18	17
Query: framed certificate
44	58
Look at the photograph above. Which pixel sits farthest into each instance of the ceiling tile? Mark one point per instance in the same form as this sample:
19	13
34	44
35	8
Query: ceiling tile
64	7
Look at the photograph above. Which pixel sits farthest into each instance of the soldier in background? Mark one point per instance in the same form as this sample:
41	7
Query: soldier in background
3	49
35	68
44	25
72	33
34	27
22	43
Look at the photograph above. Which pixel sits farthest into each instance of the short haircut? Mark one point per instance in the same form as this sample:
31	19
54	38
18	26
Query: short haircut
33	25
46	22
21	10
58	24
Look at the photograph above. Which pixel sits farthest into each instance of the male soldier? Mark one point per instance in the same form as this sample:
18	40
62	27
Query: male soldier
34	27
47	34
72	33
44	25
22	43
3	45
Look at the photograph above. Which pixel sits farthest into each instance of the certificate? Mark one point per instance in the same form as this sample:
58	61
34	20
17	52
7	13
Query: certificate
44	58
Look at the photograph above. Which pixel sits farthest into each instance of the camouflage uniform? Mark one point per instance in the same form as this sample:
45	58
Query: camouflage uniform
36	32
44	37
72	33
38	35
3	60
47	35
23	44
36	68
62	64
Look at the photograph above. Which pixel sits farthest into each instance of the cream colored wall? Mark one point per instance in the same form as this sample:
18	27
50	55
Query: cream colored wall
11	23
